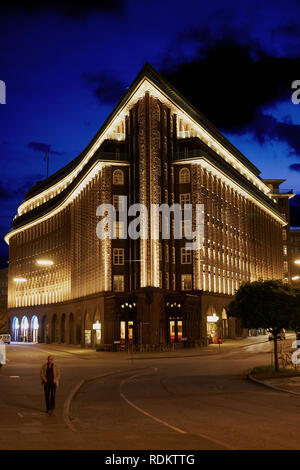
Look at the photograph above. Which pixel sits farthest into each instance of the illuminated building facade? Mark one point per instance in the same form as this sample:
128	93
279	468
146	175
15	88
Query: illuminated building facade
68	286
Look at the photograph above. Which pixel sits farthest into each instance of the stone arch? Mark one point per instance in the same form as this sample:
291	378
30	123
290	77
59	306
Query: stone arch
25	328
87	329
225	325
97	332
44	336
71	328
15	329
78	329
54	329
63	328
213	323
34	329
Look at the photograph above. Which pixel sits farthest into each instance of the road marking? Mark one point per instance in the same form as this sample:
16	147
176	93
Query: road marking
74	391
164	423
13	376
158	420
20	414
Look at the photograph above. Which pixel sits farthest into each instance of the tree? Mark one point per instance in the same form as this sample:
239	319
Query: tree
265	304
295	319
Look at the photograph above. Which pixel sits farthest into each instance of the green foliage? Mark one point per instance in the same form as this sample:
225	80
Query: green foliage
264	304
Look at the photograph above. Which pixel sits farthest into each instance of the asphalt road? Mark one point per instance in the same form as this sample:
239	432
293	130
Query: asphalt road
188	400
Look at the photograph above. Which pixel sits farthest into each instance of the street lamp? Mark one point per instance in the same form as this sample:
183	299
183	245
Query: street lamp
295	278
297	261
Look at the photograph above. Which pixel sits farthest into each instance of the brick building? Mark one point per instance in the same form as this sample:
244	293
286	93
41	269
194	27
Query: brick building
3	299
295	254
68	286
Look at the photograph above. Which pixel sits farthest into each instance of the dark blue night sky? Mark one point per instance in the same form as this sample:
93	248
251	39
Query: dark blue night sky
65	67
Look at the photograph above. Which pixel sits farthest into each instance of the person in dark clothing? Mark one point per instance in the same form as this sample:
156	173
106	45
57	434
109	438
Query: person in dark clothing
50	375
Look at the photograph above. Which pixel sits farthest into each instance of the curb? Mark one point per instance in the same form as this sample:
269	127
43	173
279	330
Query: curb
273	387
72	394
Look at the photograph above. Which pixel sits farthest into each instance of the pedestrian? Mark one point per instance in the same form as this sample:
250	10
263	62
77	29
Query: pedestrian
50	375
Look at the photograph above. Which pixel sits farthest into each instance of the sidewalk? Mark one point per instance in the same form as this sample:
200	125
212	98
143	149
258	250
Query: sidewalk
86	353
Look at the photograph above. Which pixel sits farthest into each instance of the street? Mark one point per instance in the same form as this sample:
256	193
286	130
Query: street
191	399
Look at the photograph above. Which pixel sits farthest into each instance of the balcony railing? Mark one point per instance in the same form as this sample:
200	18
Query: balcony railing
185	153
124	157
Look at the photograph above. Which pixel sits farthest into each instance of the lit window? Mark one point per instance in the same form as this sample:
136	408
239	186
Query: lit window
118	229
118	256
118	177
184	175
184	199
186	282
118	202
284	249
118	283
186	256
284	235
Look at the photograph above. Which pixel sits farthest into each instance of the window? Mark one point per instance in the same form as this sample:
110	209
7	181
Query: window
184	199
167	253
118	229
167	281
118	256
284	235
186	282
184	176
160	252
118	202
118	283
173	255
174	281
186	256
284	249
285	266
118	177
186	228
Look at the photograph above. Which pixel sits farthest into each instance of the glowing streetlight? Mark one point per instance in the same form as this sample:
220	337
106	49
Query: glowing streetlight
44	262
295	278
297	261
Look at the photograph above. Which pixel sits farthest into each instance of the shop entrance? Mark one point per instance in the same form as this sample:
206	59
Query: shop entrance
212	324
175	330
126	332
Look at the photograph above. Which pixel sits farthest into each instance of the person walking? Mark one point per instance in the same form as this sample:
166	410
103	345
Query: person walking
50	375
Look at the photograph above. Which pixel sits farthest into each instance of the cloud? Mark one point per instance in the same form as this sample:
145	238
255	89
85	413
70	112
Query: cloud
44	148
295	167
17	191
106	87
68	8
229	82
265	127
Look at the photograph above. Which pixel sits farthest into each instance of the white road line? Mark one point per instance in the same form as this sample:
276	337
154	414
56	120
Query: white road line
20	414
164	423
68	401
